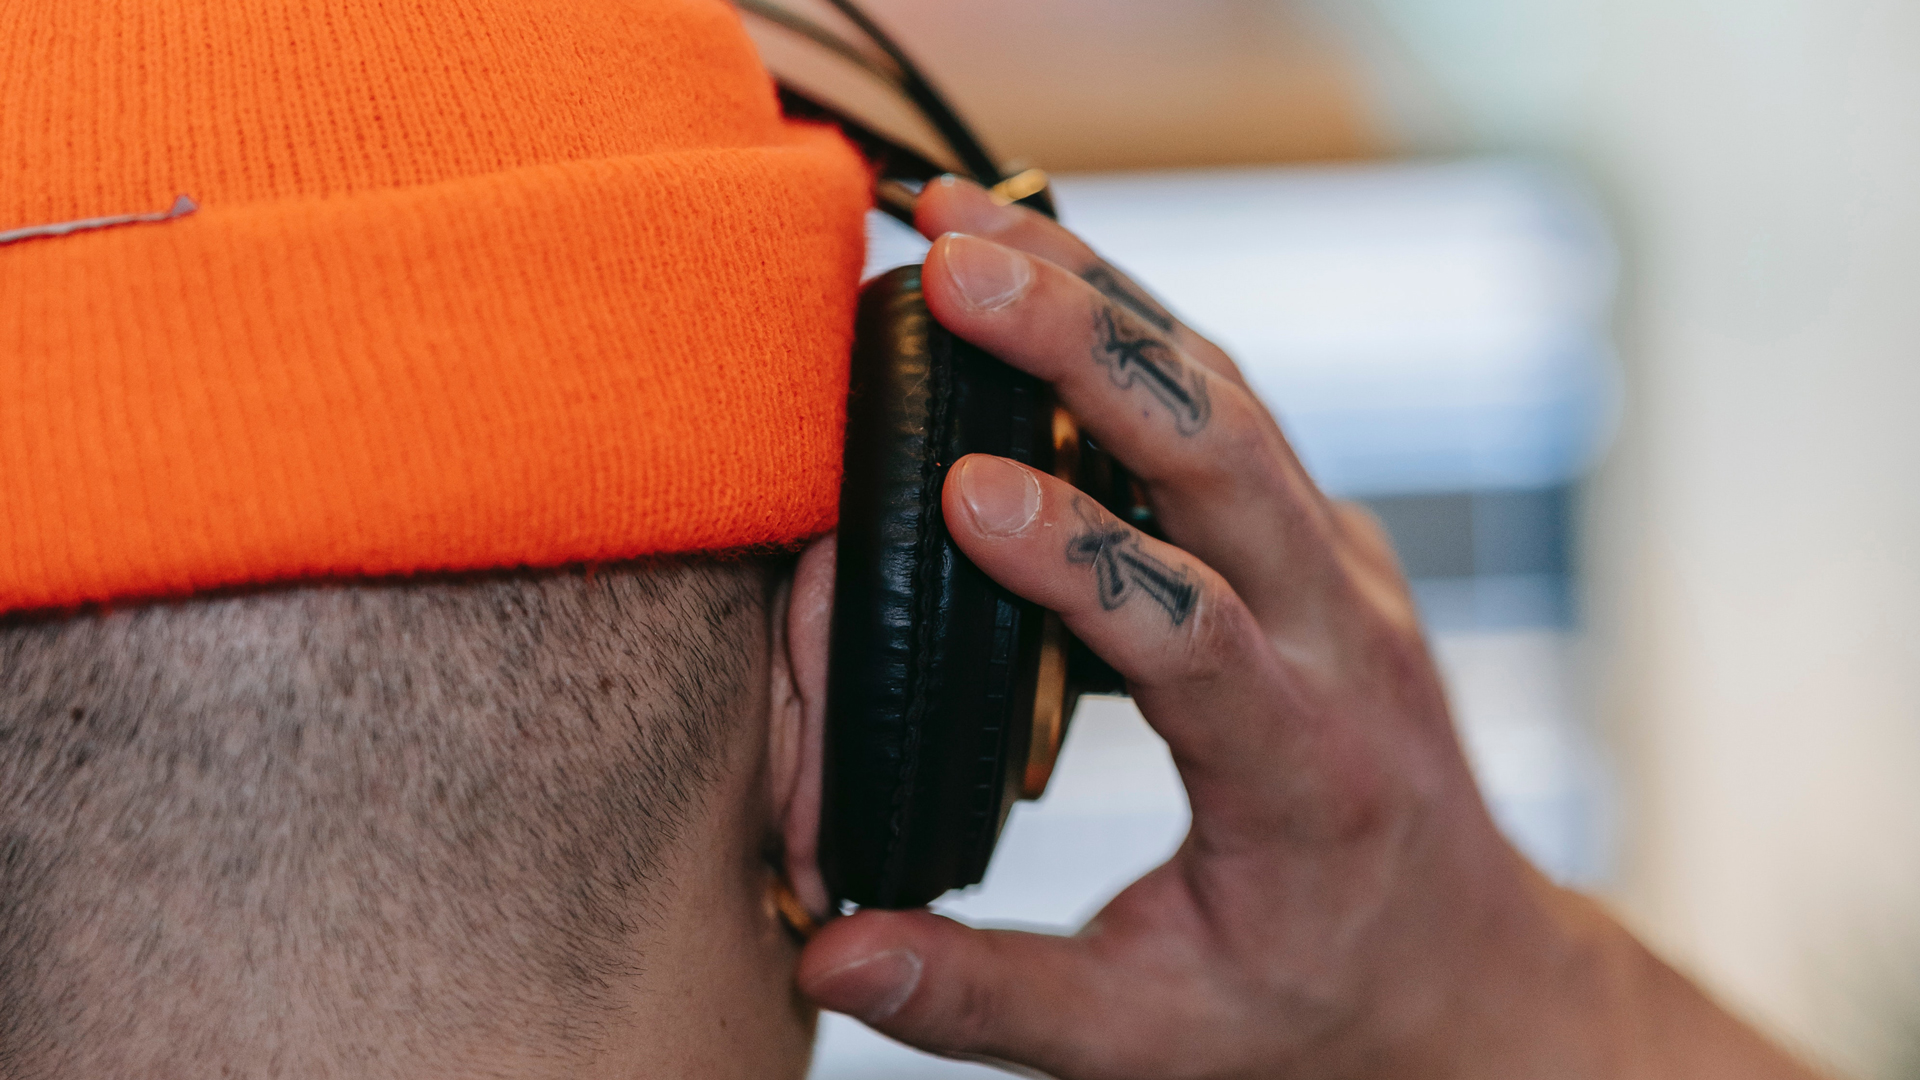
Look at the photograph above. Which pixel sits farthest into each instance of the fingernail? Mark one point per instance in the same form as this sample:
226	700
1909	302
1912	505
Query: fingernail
872	989
1002	497
988	275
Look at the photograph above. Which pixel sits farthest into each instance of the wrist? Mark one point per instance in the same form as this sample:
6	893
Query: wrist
1536	980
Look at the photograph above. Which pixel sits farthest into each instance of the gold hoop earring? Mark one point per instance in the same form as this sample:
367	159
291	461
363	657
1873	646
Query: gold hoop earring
793	914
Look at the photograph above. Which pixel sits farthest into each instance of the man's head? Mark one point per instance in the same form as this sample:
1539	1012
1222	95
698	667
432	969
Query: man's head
356	830
314	758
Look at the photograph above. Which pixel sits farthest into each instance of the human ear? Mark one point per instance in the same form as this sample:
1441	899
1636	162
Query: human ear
799	718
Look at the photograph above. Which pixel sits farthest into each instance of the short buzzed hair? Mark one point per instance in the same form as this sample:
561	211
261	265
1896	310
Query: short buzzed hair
333	829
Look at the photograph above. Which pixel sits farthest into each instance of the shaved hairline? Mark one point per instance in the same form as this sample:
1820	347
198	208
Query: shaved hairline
339	828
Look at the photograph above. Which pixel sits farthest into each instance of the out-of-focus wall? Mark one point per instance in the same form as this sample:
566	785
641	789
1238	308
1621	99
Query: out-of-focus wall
1754	545
1757	545
1080	85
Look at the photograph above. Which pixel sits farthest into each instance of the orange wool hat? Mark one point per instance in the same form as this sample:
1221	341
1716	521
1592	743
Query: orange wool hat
483	284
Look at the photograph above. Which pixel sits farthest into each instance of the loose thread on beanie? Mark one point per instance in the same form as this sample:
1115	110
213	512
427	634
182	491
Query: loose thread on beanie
182	206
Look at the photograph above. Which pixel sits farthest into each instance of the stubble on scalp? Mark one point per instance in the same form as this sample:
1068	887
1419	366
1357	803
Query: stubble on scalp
336	830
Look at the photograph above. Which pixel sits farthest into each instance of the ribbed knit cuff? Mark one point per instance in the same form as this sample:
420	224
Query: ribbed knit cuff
561	363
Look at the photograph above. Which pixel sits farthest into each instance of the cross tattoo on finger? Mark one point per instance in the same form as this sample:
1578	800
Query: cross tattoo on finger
1121	568
1135	355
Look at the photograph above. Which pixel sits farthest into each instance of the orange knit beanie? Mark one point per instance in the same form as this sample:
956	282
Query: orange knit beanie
481	284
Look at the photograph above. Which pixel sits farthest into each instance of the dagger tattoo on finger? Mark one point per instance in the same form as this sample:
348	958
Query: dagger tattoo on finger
1135	355
1121	568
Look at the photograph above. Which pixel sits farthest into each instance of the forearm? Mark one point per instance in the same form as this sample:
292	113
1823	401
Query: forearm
1671	1029
1605	1007
1543	982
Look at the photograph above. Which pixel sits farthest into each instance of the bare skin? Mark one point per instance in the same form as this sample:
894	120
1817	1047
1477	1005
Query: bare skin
1343	905
715	999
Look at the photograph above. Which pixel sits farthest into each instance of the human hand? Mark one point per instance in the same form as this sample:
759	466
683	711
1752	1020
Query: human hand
1343	904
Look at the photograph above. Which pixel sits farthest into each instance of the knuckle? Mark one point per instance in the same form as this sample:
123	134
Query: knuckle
1212	635
974	1018
1372	578
1240	452
1363	532
1249	455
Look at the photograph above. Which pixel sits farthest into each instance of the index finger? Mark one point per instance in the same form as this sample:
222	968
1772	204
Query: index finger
952	204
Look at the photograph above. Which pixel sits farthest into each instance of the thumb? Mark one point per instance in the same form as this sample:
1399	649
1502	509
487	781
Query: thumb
930	982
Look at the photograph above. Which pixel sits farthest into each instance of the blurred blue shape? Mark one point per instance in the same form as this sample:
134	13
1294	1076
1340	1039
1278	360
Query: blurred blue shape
1432	327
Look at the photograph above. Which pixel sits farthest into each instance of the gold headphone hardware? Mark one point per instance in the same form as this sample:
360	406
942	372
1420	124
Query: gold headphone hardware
1050	692
1018	186
1049	709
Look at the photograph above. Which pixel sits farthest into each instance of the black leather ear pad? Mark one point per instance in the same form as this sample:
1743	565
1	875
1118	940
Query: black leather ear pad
933	666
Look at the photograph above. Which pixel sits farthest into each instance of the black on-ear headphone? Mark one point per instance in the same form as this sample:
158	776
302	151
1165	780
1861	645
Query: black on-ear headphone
947	695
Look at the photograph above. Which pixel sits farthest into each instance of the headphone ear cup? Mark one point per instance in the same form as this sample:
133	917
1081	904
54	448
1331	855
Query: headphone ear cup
933	666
